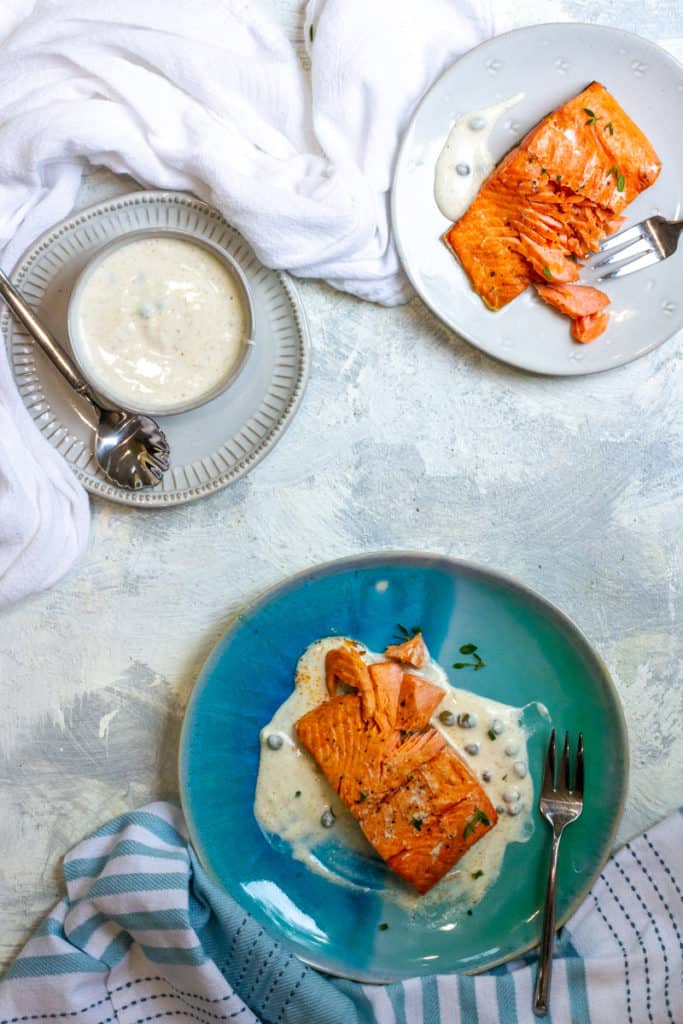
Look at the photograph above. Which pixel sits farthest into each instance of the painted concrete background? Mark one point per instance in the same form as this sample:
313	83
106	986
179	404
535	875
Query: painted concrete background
574	486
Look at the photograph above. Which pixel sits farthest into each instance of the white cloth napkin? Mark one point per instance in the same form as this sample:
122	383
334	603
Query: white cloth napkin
144	934
207	96
43	509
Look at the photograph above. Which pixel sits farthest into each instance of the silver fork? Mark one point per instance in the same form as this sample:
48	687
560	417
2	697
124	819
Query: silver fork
560	805
638	247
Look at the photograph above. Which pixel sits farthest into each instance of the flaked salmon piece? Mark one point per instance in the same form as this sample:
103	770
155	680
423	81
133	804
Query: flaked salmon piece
547	262
556	195
387	679
378	685
573	300
615	224
411	652
345	665
418	701
416	801
588	328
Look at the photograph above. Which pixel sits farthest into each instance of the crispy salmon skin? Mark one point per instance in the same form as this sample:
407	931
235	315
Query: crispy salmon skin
552	200
416	801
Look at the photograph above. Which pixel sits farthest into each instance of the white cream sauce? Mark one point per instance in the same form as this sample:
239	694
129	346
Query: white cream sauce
465	160
293	796
162	322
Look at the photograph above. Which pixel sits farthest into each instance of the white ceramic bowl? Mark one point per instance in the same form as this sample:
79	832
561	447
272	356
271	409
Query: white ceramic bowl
80	350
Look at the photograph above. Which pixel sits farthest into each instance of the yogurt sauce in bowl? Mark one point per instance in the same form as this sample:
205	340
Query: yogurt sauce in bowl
160	323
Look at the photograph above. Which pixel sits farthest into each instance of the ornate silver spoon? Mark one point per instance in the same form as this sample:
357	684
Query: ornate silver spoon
130	449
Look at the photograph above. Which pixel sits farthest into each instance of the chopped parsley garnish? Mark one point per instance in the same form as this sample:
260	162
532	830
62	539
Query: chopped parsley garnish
532	158
592	118
544	170
505	777
477	663
311	32
590	113
558	178
491	735
469	913
547	272
383	926
362	798
406	634
620	178
477	874
417	823
477	818
609	127
298	793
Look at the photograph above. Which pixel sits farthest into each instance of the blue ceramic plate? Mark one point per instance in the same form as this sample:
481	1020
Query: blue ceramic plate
533	652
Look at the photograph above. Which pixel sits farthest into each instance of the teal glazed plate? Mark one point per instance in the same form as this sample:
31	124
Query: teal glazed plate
533	652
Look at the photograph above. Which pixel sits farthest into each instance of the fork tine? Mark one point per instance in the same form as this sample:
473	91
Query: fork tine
640	245
623	238
578	781
565	766
630	266
548	784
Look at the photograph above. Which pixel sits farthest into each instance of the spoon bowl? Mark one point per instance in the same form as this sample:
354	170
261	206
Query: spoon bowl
131	449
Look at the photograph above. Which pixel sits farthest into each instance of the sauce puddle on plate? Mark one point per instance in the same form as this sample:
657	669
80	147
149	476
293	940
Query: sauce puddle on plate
465	160
299	811
162	323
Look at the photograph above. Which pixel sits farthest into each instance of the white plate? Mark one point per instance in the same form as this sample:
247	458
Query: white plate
211	446
549	64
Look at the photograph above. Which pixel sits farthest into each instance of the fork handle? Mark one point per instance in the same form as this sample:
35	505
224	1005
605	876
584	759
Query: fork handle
40	333
545	963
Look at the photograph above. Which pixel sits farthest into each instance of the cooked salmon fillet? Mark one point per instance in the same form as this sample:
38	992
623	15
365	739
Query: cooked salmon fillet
417	802
553	198
574	300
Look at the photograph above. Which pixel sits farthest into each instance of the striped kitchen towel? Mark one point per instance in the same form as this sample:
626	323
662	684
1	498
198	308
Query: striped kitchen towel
143	935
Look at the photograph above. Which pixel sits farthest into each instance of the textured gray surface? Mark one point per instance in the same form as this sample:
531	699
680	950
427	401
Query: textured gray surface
407	438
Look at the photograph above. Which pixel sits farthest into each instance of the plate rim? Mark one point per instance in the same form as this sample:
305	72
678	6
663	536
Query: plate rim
408	558
563	26
152	499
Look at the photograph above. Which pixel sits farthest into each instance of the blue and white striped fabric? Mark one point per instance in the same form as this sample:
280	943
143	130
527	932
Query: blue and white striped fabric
143	935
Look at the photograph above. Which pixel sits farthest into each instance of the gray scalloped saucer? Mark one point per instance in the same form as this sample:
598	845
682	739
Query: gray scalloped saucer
211	446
